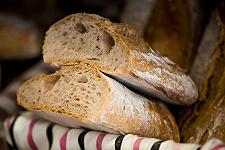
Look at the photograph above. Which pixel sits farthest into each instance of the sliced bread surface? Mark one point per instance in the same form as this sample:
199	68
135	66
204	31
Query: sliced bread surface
81	95
117	50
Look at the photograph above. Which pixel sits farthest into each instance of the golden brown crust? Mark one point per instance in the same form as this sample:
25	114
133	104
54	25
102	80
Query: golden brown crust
162	124
206	118
171	79
157	121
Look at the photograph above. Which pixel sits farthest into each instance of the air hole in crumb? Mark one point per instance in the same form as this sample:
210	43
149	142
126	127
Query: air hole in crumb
98	24
64	33
107	42
97	59
48	83
83	89
81	40
82	79
59	111
80	28
64	43
97	38
77	99
99	94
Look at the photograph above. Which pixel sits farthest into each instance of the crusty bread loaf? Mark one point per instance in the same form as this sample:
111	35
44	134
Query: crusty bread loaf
80	95
169	31
209	42
206	119
117	50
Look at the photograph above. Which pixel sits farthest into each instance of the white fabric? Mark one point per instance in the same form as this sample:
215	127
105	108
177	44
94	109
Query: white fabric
65	138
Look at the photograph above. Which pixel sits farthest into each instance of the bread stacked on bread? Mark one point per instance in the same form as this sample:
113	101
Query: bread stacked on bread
98	59
117	50
95	101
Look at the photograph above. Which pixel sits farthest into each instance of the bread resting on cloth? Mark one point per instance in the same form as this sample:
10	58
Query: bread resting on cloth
80	95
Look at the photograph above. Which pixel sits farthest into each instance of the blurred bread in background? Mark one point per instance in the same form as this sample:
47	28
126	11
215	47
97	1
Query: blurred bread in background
210	40
19	39
173	27
206	118
136	13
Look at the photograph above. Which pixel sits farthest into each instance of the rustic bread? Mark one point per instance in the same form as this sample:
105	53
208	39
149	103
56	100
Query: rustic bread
206	118
19	39
136	14
117	50
169	30
209	42
174	27
80	95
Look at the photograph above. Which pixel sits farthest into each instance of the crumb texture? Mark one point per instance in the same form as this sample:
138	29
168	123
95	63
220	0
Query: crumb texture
116	49
76	90
79	37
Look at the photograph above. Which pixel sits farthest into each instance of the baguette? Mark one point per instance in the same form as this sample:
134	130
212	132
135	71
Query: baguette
81	95
117	50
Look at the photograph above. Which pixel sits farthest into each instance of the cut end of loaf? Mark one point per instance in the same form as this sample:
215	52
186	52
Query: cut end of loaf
82	37
117	49
77	91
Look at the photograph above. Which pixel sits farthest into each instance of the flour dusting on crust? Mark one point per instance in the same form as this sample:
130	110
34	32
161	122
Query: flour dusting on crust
164	75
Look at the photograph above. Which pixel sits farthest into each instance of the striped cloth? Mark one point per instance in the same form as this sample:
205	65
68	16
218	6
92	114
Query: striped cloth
26	131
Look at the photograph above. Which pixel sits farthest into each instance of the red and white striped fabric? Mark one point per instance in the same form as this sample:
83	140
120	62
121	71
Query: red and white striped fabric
214	144
26	131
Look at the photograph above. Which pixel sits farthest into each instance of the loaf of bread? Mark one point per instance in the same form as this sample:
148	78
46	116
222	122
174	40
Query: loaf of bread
81	95
169	30
209	42
19	39
136	14
117	50
206	118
